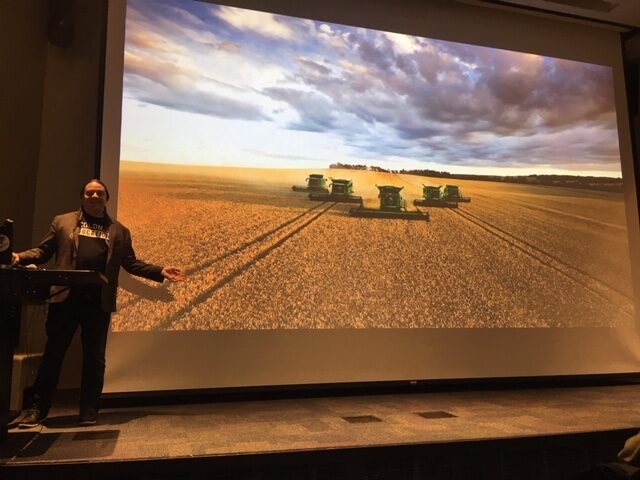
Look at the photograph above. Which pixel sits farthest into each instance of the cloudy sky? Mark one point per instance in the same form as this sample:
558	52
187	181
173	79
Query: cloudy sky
215	85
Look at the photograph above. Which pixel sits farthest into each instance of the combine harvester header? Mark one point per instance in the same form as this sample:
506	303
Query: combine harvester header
453	193
432	197
392	205
341	191
315	183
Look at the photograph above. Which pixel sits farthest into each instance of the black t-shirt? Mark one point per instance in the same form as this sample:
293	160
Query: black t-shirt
92	252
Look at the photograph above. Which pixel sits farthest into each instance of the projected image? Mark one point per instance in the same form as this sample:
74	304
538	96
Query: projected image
310	175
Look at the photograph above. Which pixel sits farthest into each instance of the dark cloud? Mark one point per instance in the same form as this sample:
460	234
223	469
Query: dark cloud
314	67
431	64
316	112
538	92
406	64
190	100
206	103
411	132
373	48
444	98
442	101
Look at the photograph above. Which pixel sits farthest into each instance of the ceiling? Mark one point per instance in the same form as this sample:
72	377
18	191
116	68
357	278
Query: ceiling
621	15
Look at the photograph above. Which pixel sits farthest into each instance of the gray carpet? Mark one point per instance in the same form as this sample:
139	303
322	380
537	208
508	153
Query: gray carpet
217	429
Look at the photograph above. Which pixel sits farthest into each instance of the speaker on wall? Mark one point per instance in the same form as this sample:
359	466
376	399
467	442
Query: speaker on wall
61	26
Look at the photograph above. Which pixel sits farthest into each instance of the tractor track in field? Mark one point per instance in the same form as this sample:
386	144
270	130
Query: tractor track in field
240	248
572	272
252	251
571	216
260	238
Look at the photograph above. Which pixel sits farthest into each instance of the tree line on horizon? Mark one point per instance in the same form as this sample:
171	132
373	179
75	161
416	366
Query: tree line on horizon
609	184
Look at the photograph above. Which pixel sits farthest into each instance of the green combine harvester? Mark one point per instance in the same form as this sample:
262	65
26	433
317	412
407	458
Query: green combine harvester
315	183
432	197
392	205
341	191
453	193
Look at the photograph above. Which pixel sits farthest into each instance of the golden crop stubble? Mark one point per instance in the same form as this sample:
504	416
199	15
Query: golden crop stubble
532	289
583	229
356	273
334	274
344	272
221	228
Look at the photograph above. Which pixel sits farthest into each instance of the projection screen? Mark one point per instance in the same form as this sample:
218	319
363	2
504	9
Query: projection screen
356	195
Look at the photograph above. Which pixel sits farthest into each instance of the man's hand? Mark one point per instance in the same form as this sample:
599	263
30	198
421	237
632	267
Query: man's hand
173	274
15	259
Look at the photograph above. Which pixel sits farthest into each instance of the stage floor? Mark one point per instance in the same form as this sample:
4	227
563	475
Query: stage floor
312	424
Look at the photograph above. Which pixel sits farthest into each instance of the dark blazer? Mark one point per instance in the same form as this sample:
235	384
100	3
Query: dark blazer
62	240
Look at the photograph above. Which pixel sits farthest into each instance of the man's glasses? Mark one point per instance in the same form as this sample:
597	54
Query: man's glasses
97	193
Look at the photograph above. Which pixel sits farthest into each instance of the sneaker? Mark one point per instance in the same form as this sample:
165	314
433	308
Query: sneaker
33	417
88	416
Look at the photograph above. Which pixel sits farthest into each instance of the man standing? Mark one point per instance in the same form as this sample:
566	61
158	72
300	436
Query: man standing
87	239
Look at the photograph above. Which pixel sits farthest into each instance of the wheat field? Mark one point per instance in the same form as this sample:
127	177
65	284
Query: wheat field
261	256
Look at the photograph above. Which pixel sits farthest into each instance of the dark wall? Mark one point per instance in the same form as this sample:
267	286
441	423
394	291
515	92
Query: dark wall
23	50
49	91
49	109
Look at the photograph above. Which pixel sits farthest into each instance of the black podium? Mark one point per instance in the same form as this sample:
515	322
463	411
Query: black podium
20	286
